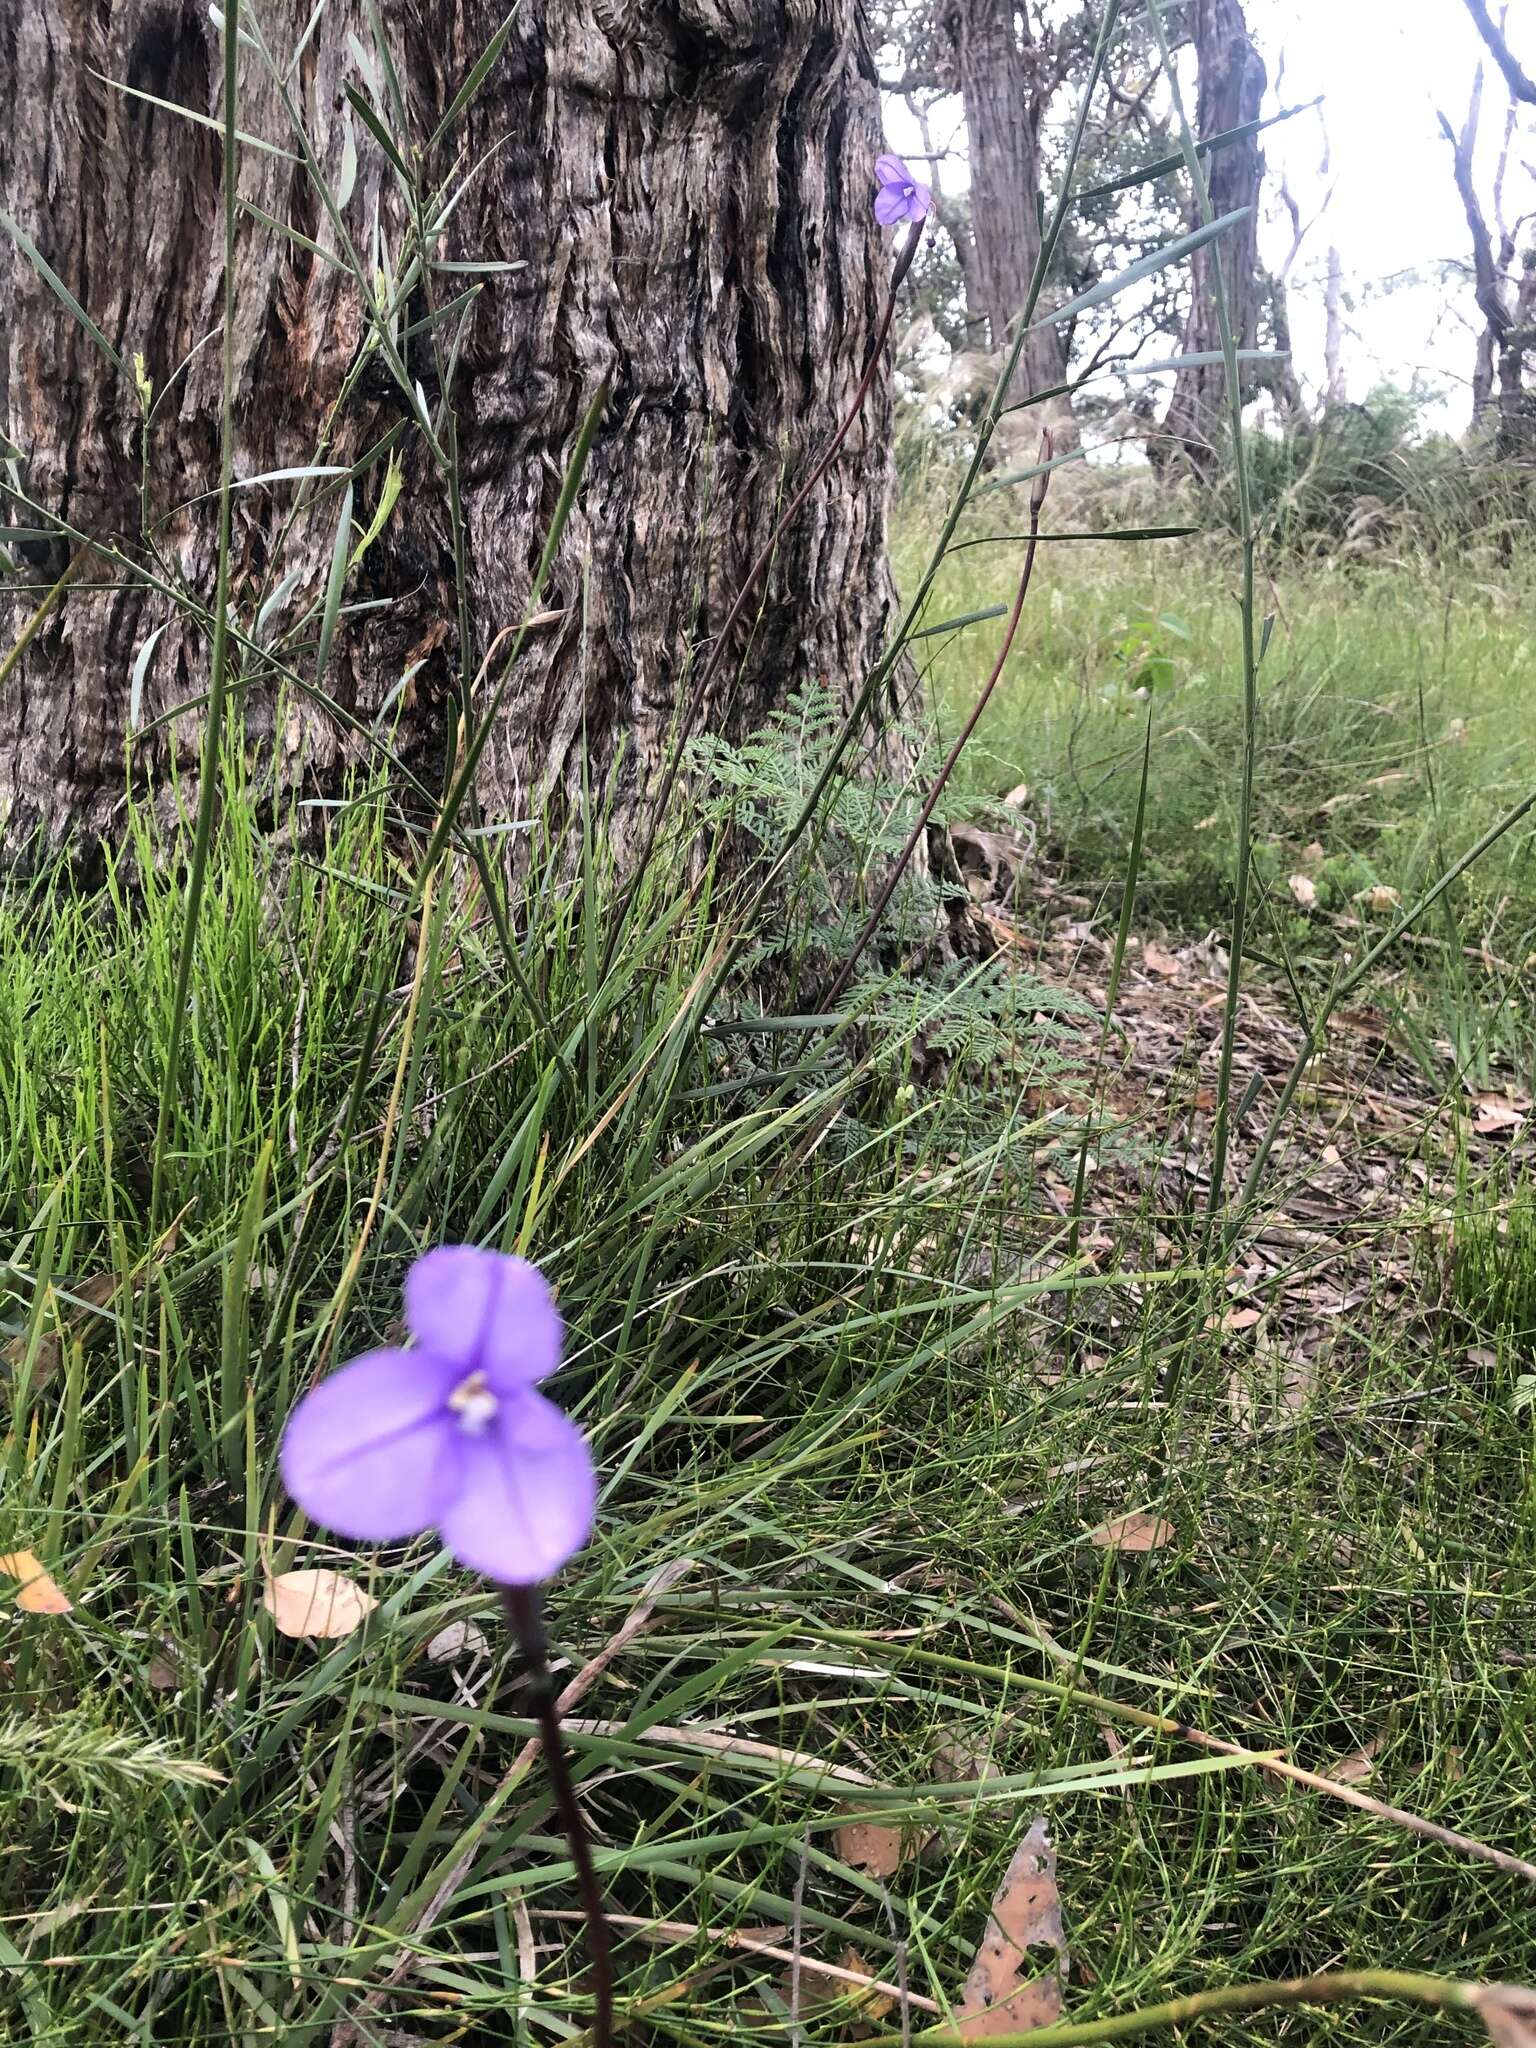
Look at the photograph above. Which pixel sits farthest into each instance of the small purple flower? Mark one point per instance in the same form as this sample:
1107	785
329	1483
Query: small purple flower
900	196
452	1435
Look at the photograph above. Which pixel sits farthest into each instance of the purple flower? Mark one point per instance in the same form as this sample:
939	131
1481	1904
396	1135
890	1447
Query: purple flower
900	196
452	1435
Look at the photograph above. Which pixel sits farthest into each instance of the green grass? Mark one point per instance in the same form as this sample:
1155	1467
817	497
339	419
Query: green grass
1394	729
857	1411
820	1350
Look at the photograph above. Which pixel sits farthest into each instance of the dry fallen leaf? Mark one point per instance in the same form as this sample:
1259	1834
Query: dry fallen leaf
1006	1993
1499	1113
320	1604
1236	1319
458	1641
1380	897
1304	890
1508	2011
1134	1532
1158	960
866	1845
39	1593
1359	1765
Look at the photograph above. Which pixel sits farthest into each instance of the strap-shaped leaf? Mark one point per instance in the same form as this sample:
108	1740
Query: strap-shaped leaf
1146	266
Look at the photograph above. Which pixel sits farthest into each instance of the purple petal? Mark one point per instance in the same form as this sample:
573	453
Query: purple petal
890	170
890	205
524	1494
365	1452
521	1342
484	1311
919	202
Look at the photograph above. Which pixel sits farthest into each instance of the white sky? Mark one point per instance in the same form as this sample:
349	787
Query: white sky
1383	66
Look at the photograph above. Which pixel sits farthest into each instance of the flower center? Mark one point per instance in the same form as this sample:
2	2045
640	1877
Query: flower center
474	1404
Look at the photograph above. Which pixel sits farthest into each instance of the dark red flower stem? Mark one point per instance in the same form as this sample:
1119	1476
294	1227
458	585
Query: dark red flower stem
525	1614
699	695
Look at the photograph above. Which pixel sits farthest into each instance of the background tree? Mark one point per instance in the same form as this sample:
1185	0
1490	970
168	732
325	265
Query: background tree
1521	85
1504	281
674	201
1011	72
1231	94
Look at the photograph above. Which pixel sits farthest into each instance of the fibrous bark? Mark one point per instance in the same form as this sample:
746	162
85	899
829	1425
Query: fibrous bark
1005	104
1231	94
687	183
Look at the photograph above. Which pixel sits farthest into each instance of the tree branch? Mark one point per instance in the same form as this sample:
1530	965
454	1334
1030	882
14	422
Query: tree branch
1523	87
1490	296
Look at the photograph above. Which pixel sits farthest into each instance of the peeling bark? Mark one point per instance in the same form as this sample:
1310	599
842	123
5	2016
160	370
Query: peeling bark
688	183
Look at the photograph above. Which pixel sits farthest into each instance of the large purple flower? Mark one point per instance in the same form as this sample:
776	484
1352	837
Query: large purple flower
452	1435
900	196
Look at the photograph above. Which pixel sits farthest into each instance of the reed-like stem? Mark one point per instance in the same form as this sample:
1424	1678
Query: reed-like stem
525	1615
218	674
899	866
1329	1987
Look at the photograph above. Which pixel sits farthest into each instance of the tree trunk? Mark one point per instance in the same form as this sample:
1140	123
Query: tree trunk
1232	81
1507	336
687	186
1333	343
1517	404
1003	117
1482	380
1280	378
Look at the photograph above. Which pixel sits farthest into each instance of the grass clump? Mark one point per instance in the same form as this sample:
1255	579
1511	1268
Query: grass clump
820	1340
867	1377
1495	1273
1391	733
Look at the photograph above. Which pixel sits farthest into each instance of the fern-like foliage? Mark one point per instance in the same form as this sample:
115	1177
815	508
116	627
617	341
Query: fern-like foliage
920	1008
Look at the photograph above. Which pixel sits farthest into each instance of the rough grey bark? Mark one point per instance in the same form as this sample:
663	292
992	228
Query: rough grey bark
1005	104
688	183
1231	93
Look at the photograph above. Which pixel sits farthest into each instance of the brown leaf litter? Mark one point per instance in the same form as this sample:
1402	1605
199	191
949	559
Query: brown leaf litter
1354	1222
1008	1991
40	1593
1134	1533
